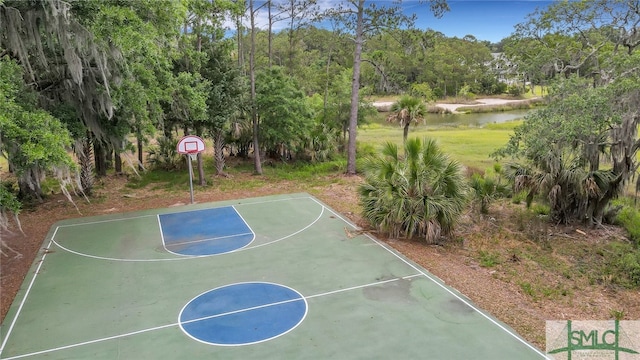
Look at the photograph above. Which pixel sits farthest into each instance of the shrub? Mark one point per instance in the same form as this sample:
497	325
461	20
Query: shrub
421	193
514	90
629	218
165	155
622	265
9	206
466	93
485	189
488	259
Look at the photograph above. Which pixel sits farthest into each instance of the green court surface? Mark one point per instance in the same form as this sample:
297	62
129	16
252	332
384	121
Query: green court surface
264	278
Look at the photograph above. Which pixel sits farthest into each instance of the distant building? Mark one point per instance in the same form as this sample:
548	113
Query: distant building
505	70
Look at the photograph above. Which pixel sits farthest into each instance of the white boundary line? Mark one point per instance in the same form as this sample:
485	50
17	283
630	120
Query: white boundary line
294	233
420	273
52	241
24	300
439	283
190	257
142	331
152	215
106	221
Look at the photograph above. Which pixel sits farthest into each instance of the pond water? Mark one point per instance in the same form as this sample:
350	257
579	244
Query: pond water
473	119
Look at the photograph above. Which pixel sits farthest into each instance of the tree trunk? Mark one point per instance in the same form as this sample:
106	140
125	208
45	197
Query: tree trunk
239	36
117	162
355	88
86	165
405	132
100	158
201	179
270	33
218	152
252	75
326	83
29	184
291	40
140	157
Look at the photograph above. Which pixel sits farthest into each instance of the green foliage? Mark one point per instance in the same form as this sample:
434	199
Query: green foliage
367	150
8	201
285	117
32	140
622	264
406	111
9	205
423	91
324	143
616	314
486	188
189	98
540	209
629	218
165	155
30	136
225	94
514	90
527	288
562	146
421	193
488	259
466	92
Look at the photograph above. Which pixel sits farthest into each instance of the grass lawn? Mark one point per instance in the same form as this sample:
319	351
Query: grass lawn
470	146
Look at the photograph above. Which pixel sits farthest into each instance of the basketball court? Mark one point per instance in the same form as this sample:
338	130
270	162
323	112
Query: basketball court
265	278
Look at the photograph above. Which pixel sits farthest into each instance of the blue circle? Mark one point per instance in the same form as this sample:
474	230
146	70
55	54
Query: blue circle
243	313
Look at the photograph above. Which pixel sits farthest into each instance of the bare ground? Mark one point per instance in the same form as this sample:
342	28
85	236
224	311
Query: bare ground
453	108
505	263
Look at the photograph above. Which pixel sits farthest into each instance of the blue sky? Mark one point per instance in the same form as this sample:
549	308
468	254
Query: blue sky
484	19
491	20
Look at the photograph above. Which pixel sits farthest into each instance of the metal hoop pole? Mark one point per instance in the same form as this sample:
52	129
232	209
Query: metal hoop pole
190	177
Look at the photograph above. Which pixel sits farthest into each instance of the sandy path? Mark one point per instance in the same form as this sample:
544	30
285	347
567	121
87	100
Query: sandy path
385	105
454	107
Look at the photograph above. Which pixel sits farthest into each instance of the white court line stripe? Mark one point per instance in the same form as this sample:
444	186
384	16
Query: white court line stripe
272	201
364	286
52	241
24	298
91	342
263	306
189	257
298	299
184	257
248	227
204	318
207	239
301	297
440	284
292	234
161	232
151	215
107	221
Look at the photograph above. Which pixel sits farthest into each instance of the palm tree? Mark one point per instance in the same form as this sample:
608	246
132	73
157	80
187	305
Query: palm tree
407	110
421	193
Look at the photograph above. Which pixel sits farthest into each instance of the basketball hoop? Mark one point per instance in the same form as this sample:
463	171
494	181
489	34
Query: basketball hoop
191	146
193	155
